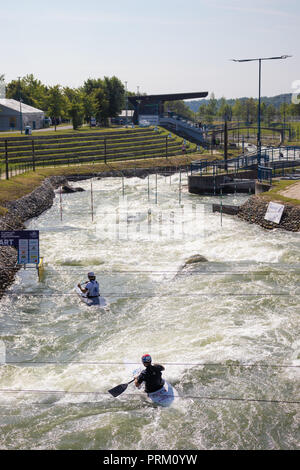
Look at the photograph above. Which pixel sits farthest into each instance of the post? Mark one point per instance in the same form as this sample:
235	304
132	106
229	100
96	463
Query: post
105	150
60	202
225	144
156	188
6	160
92	201
259	109
167	147
221	206
180	186
126	99
20	101
33	156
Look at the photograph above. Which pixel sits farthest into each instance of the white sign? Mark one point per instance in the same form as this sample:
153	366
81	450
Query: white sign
274	212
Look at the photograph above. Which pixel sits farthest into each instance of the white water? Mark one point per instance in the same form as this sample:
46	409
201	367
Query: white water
209	316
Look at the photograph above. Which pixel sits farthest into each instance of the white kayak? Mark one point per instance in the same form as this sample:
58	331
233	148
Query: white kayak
99	302
164	396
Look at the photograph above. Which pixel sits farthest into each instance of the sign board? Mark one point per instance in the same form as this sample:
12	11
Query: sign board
274	212
26	242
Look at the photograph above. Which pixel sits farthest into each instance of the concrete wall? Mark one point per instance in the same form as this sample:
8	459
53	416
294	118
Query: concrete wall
198	184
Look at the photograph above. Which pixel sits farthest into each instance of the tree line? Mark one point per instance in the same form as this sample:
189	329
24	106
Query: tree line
244	110
98	98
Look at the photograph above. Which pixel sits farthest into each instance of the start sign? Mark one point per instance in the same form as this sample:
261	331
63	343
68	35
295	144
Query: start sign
26	242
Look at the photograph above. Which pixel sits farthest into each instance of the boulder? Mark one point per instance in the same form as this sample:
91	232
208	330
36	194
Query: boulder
67	189
195	259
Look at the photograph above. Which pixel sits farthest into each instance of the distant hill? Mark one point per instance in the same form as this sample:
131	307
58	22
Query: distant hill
275	100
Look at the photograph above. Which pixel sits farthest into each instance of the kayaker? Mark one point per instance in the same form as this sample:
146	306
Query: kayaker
91	288
151	375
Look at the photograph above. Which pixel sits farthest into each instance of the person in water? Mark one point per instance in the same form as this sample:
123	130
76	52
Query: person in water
91	288
151	375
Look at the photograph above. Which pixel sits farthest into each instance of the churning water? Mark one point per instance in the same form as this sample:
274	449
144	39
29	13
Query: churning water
222	328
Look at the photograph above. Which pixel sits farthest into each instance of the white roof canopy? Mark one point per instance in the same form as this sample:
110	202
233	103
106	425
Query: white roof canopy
15	106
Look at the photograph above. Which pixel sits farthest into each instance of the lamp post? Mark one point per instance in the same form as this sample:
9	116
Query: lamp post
21	119
260	59
126	98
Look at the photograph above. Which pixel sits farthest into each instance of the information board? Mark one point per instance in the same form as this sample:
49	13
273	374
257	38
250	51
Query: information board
274	212
25	241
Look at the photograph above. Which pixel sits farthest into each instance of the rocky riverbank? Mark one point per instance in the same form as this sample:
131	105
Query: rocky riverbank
25	208
254	210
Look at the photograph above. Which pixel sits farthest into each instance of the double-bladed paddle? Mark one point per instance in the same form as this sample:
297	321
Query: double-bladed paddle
116	391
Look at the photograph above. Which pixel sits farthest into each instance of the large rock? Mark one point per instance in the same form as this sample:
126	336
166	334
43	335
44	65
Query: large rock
67	189
191	264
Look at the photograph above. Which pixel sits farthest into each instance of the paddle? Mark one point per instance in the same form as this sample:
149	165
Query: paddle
116	391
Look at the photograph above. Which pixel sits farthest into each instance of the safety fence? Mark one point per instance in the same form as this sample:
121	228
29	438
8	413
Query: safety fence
17	159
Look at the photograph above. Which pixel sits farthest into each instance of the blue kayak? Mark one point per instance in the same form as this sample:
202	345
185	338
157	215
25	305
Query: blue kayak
92	301
164	396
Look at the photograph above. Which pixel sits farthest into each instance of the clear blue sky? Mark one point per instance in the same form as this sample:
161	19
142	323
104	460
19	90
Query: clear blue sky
157	45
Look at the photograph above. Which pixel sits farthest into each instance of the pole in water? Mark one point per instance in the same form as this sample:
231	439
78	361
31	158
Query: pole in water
156	188
123	187
148	187
149	220
60	203
92	200
221	206
180	186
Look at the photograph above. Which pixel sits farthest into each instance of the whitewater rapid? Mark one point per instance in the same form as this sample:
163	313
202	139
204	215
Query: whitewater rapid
237	313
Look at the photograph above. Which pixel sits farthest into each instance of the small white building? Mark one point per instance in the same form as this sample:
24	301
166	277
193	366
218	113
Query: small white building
14	115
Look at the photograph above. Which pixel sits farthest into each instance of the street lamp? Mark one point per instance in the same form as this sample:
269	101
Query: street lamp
259	59
126	98
20	100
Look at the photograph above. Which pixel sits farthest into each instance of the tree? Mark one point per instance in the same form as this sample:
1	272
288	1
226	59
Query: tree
270	114
249	113
2	86
225	110
237	110
30	90
211	109
179	107
115	95
74	106
109	94
56	103
90	106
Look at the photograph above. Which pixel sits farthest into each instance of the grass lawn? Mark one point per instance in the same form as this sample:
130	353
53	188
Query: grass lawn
277	187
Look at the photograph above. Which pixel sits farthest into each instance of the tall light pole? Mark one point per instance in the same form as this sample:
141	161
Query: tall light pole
260	59
21	119
126	98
